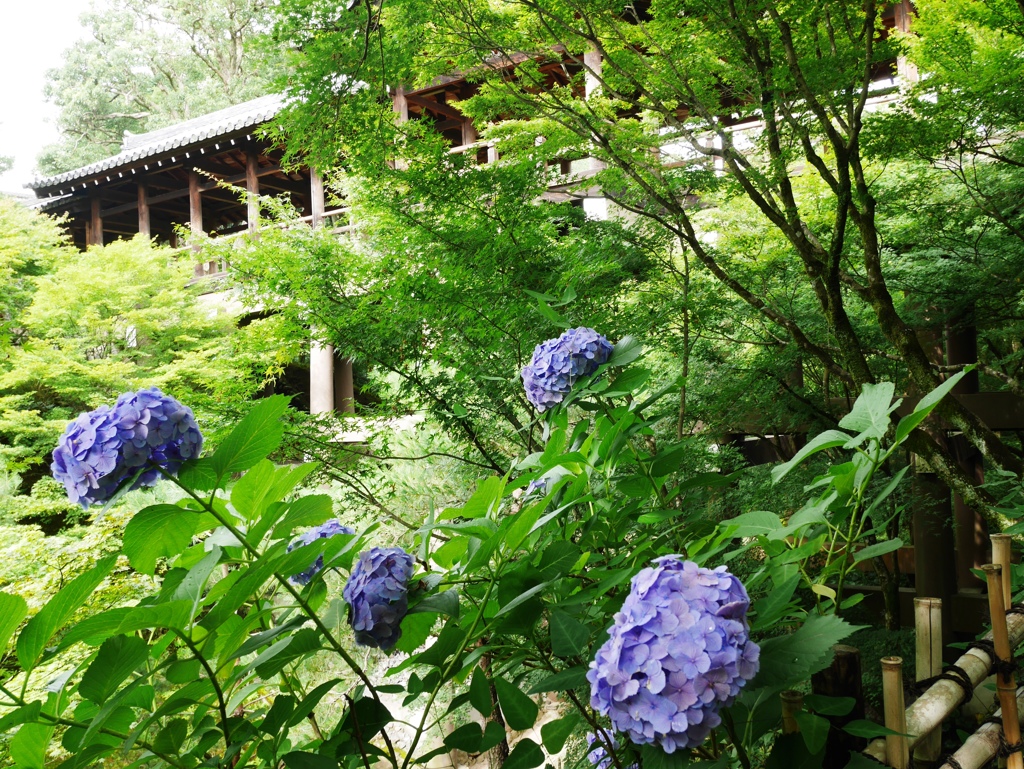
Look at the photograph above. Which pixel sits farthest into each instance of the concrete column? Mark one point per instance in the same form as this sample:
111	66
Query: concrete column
95	234
144	224
321	378
252	186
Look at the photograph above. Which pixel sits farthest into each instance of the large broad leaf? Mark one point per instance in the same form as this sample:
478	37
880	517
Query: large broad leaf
554	733
569	636
162	531
573	678
258	434
480	693
28	746
519	710
626	350
870	413
926	405
96	629
12	611
826	440
311	510
878	550
790	659
58	610
117	658
525	755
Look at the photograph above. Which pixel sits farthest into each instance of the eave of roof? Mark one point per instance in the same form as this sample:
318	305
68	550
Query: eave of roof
139	147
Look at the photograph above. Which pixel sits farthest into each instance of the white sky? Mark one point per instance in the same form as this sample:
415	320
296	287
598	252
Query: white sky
33	37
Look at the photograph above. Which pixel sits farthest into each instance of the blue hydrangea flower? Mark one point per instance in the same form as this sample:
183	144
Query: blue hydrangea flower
101	449
323	531
677	652
558	364
599	756
377	595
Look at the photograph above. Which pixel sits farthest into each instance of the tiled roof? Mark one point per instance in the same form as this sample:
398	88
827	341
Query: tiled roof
141	146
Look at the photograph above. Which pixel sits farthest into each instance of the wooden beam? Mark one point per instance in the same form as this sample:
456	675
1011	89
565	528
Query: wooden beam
195	205
143	203
96	223
435	106
316	197
252	186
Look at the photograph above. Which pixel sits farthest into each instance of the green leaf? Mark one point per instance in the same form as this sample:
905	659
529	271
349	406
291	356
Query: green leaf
12	611
198	474
773	606
480	693
546	310
258	434
299	760
653	757
926	405
368	716
311	700
252	493
757	523
302	644
161	531
790	659
870	413
554	733
525	755
58	611
562	681
446	603
625	351
117	658
869	729
171	738
96	629
415	631
877	550
814	730
466	738
826	440
627	383
519	710
480	502
173	614
829	706
28	746
525	596
558	558
569	637
311	510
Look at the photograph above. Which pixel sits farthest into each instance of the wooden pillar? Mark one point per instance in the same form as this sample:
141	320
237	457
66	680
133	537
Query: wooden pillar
195	206
841	679
321	378
591	71
401	107
95	234
144	224
971	531
469	134
316	198
344	386
252	186
932	531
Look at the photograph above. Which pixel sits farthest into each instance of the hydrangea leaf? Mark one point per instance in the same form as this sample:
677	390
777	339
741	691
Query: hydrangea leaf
12	611
525	755
789	659
554	733
58	610
117	658
480	693
256	436
161	531
519	710
569	636
562	681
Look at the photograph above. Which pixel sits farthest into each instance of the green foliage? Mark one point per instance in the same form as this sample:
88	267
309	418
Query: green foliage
148	65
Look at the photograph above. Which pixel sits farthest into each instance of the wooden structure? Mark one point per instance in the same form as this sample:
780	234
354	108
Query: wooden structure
172	179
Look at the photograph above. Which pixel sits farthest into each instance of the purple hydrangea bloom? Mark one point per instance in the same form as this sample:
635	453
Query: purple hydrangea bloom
377	594
599	756
323	531
558	364
101	449
678	652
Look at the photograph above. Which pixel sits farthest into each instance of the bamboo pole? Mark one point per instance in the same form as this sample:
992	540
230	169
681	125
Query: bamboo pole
897	754
936	704
792	703
928	626
1006	684
1002	556
981	747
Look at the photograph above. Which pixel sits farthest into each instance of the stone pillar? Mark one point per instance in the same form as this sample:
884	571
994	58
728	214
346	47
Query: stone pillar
321	378
144	224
